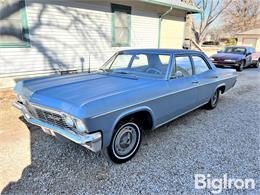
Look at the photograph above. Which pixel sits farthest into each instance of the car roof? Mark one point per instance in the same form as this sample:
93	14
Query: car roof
161	51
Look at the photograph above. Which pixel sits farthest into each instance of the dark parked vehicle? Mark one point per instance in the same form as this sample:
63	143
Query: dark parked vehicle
235	56
256	59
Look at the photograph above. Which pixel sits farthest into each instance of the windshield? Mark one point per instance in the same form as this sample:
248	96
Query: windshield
138	64
238	50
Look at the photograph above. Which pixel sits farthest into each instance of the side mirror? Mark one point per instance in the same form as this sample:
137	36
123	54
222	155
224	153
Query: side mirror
179	74
136	57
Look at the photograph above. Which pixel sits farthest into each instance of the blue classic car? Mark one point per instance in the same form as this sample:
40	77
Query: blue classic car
134	91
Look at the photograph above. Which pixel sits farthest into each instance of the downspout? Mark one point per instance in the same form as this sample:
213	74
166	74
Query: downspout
160	21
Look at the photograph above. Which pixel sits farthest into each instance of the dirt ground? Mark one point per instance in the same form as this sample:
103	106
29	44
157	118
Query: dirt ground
14	139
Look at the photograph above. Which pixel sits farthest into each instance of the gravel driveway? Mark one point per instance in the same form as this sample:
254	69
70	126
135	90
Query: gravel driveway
222	141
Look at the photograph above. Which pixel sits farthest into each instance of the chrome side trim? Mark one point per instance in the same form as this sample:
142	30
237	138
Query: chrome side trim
179	115
165	95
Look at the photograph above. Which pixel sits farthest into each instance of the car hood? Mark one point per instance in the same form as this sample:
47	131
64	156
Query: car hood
230	56
74	91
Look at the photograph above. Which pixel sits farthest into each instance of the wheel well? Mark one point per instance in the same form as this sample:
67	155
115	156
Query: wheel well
222	89
144	119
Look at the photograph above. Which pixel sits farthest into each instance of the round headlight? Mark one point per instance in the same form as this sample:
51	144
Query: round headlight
69	121
80	126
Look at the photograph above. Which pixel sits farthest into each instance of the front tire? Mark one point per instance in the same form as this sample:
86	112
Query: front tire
241	66
257	64
125	142
213	100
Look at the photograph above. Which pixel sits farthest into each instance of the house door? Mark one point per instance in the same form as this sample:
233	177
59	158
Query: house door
172	32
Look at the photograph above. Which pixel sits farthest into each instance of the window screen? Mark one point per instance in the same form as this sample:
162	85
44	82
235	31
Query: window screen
121	25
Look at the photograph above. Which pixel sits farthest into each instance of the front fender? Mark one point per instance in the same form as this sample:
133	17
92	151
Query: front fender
107	123
132	111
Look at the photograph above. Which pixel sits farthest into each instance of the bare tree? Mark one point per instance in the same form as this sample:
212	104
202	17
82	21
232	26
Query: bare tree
241	15
211	11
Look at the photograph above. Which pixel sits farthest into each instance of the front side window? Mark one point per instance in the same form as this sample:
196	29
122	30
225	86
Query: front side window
139	64
121	25
140	60
251	50
183	65
13	24
200	65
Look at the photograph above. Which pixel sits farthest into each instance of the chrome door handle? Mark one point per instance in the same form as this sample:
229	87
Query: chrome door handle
195	82
214	77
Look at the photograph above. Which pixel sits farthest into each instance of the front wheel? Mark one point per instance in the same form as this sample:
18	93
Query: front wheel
241	66
213	101
125	142
257	64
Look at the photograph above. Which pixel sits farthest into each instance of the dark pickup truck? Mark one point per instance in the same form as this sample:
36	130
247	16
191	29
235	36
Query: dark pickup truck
235	56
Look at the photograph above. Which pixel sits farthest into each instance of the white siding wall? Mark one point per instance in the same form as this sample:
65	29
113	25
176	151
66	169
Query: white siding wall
62	33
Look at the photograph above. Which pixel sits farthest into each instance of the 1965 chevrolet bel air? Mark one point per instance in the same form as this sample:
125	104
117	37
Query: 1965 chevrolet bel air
134	91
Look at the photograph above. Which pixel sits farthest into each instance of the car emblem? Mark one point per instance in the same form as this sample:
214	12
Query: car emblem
51	117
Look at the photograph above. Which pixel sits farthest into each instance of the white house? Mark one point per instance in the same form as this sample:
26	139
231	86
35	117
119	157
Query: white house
39	36
250	38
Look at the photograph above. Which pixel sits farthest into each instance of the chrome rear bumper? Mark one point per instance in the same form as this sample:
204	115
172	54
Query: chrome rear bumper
92	141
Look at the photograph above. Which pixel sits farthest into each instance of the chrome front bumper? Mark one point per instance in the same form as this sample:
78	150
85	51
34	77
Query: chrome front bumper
92	141
223	64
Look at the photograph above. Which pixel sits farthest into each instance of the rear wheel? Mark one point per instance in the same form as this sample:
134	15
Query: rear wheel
125	142
213	100
241	66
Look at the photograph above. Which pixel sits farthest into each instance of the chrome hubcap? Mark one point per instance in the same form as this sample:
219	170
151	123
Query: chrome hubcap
125	140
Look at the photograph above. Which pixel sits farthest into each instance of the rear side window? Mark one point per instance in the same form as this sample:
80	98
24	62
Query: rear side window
200	65
183	64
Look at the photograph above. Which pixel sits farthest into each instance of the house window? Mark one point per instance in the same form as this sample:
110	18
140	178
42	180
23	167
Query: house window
13	24
121	25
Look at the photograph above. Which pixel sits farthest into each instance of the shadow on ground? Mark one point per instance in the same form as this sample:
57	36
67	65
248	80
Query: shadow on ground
55	165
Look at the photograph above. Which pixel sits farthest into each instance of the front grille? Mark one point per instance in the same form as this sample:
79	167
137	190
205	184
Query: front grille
49	117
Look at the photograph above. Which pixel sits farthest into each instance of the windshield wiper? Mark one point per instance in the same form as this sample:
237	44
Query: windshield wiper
121	72
126	73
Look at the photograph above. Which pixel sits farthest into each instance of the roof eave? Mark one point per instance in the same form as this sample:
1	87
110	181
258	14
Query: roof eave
188	10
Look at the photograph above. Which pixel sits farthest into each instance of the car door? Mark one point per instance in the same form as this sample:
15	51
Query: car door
206	76
183	86
248	56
